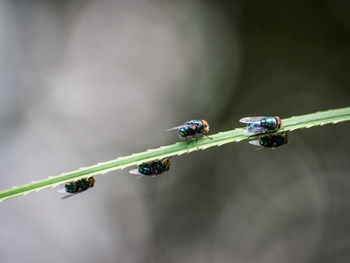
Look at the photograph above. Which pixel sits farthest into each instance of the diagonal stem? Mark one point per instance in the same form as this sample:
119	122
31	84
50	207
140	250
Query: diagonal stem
179	148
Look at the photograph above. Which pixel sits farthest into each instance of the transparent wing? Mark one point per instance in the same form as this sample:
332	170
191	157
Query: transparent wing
135	171
251	119
255	142
192	125
176	128
255	129
62	190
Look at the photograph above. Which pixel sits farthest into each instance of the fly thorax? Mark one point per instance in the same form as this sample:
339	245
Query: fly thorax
273	123
269	122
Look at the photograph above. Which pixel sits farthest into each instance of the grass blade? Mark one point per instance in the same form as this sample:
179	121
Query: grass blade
236	135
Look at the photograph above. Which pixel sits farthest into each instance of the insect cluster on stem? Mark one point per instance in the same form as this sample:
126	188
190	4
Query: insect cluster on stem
262	124
195	129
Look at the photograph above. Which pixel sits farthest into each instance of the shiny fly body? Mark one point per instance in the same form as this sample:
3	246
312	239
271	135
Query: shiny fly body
152	168
271	140
76	187
261	124
192	129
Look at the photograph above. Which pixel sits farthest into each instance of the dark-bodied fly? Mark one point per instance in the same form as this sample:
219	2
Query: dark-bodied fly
271	140
76	187
152	168
192	129
261	124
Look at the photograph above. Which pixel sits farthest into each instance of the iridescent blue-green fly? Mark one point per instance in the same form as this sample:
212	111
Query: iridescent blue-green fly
76	187
152	168
271	140
192	129
261	124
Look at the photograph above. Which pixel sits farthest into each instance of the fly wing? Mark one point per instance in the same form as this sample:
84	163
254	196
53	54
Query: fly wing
192	125
176	128
135	171
255	129
251	119
62	190
255	142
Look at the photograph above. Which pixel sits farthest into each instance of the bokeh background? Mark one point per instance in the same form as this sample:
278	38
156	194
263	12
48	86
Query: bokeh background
89	81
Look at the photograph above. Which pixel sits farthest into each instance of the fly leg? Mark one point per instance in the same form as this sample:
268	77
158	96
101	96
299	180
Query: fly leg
188	145
196	136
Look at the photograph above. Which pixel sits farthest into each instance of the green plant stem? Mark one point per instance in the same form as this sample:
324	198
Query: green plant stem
236	135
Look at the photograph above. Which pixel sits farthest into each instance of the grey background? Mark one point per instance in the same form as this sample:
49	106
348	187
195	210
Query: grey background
88	81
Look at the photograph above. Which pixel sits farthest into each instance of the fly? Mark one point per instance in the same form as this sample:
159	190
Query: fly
76	187
261	124
152	168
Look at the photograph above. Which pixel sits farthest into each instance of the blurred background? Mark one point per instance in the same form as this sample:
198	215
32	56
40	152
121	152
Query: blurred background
89	81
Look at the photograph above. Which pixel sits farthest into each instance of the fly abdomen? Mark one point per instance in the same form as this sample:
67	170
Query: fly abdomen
71	187
146	169
186	131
